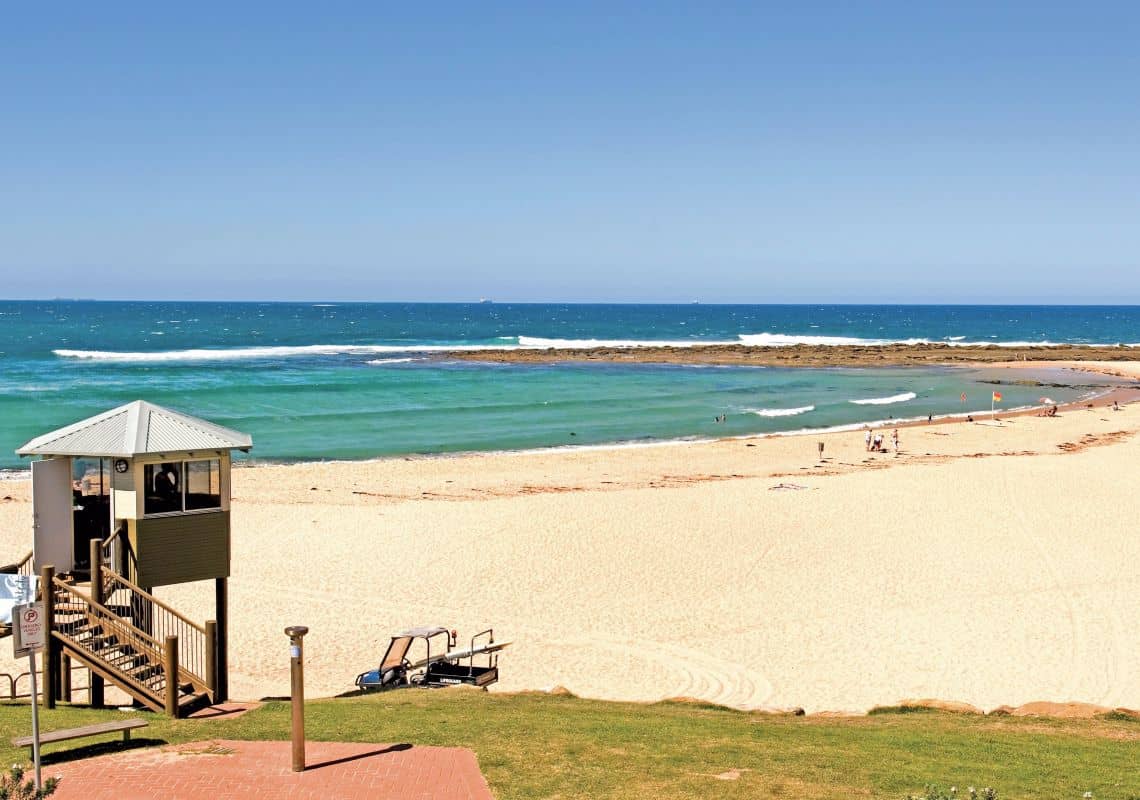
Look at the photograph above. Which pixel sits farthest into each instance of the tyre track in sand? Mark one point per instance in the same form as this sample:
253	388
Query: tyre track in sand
1078	640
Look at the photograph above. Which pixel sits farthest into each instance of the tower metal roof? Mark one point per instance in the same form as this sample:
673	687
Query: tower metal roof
136	429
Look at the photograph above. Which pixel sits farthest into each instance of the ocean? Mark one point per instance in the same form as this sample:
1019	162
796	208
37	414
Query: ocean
315	381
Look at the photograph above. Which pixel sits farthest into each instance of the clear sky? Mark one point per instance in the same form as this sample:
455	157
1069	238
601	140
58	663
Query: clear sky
791	152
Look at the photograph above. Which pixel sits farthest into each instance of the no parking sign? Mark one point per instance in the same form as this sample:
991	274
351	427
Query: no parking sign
29	630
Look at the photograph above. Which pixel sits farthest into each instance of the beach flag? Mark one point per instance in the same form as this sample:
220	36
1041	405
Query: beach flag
997	397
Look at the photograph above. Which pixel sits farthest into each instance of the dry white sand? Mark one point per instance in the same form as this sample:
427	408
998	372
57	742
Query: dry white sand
988	563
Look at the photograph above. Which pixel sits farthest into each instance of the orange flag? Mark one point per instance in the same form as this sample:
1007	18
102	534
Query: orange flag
997	397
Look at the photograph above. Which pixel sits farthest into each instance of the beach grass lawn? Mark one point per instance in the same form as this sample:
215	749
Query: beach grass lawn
533	745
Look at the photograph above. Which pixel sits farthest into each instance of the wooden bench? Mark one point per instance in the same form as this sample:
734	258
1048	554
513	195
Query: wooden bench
124	725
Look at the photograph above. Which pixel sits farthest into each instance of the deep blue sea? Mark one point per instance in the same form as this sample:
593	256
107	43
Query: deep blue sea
346	381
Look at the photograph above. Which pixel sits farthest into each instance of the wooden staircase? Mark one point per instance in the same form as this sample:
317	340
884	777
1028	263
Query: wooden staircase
117	641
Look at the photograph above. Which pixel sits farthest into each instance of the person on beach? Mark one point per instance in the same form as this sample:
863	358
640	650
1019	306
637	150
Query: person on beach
877	443
867	438
895	440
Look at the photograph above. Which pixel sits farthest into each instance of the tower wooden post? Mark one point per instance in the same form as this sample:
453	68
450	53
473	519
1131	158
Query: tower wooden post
221	609
211	675
170	669
51	664
94	679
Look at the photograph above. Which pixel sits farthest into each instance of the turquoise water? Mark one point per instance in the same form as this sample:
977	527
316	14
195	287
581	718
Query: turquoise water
317	381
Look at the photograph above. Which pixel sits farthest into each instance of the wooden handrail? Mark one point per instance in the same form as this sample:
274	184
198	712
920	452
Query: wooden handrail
112	576
111	539
113	620
21	567
196	642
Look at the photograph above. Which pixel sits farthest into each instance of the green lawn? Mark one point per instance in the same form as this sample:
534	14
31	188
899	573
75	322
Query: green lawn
532	746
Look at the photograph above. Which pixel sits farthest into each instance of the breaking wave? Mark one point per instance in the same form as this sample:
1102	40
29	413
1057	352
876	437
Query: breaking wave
782	412
588	344
882	401
525	343
238	353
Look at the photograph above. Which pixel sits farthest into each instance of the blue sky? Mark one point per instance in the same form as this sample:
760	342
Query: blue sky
583	152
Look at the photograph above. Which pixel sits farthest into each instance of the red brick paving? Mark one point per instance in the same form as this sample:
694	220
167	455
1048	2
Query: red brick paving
221	769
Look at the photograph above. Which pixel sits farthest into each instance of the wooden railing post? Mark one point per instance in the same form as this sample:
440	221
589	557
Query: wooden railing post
211	665
97	571
50	665
95	692
95	680
170	667
64	677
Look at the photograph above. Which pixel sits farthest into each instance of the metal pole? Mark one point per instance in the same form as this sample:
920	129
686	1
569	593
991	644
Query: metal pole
297	691
35	720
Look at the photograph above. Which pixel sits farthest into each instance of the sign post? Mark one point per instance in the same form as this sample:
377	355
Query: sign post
28	636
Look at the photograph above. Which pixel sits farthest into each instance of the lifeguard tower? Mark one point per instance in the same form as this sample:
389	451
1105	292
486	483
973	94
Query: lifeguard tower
128	500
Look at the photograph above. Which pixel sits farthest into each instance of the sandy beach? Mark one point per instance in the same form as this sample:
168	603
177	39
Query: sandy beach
991	563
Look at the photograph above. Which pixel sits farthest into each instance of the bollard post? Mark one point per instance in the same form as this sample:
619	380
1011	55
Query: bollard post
297	691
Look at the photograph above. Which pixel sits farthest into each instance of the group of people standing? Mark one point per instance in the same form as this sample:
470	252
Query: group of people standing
874	440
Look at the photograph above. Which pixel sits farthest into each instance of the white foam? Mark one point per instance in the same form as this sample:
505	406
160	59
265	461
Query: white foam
238	353
882	401
524	343
589	344
386	361
782	412
1044	343
790	339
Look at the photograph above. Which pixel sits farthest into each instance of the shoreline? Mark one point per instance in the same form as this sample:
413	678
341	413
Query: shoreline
985	563
1116	369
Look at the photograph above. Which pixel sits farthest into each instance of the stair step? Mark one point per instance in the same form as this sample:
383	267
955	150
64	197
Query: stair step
126	661
144	672
190	703
101	642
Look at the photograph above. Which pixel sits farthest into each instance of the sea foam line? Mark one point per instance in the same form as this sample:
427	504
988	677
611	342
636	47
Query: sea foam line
882	401
538	342
527	343
238	353
782	412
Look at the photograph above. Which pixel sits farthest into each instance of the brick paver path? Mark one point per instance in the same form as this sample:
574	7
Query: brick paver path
220	770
